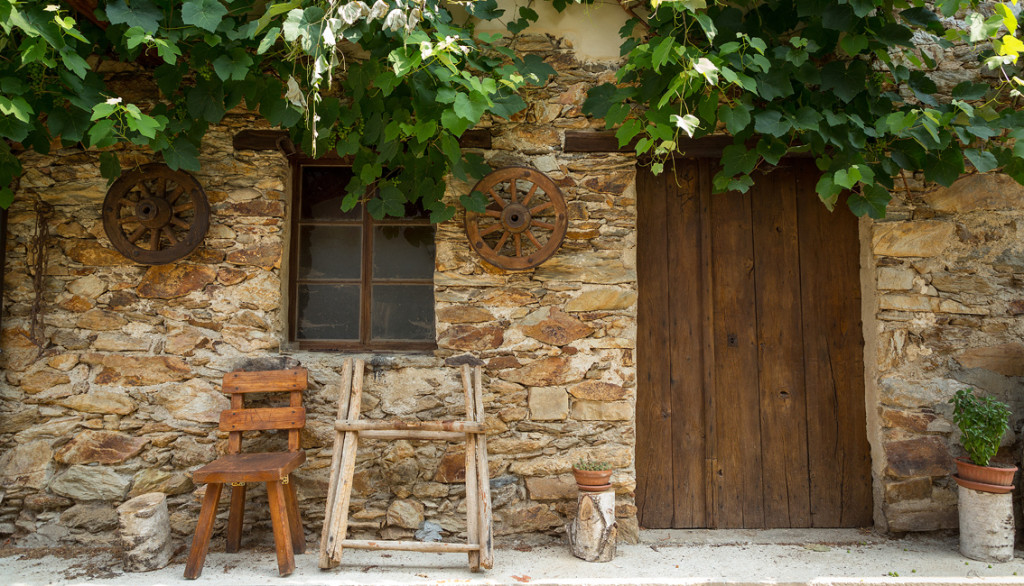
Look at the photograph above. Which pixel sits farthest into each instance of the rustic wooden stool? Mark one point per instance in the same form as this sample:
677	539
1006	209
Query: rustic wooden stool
348	431
273	468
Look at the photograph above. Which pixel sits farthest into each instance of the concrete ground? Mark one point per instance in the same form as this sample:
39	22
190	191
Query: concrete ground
779	557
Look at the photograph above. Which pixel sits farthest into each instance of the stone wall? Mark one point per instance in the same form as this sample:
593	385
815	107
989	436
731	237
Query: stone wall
116	393
948	266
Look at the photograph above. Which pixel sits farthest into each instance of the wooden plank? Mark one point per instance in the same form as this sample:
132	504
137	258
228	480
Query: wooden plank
339	516
385	424
712	479
423	546
390	435
344	392
685	343
838	453
265	381
472	480
654	407
736	392
484	484
780	350
262	418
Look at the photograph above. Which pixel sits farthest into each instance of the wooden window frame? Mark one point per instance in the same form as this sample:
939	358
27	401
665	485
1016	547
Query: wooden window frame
365	280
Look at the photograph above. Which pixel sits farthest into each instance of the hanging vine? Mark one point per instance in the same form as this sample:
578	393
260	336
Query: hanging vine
37	261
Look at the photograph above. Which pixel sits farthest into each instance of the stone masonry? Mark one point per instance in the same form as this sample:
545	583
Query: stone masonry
118	395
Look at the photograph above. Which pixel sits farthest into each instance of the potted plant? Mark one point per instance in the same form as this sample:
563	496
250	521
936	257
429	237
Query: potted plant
592	475
982	422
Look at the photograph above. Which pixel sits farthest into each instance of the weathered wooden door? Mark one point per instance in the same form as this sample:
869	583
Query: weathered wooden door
750	409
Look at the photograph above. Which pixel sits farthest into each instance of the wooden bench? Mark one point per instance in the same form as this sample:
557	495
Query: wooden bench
273	468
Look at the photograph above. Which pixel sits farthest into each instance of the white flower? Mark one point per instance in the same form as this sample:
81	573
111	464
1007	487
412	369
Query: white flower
379	9
415	16
426	50
395	20
113	101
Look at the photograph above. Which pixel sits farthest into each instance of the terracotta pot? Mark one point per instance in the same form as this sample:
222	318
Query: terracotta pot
592	480
984	478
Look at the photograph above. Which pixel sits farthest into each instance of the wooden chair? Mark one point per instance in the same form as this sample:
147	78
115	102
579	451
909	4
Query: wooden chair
349	429
273	468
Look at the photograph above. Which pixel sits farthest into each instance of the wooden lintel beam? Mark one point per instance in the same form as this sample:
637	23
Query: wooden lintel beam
271	140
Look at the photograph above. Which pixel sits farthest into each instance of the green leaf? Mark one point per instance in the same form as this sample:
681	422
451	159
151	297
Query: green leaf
534	69
983	161
6	197
182	155
102	134
18	107
474	202
838	17
771	122
141	13
774	85
471	106
661	53
110	166
853	44
845	84
737	160
74	62
966	90
206	101
600	99
234	65
948	7
70	125
485	9
205	14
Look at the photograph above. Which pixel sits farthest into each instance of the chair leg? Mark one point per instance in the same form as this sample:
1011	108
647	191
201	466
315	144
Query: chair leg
204	527
282	532
294	520
235	517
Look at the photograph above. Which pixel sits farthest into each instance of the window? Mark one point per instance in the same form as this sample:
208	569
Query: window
356	282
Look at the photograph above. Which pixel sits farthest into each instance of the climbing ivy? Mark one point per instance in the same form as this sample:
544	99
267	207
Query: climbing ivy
849	81
395	83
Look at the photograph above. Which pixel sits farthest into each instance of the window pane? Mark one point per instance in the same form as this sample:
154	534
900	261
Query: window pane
328	312
323	188
402	312
330	252
403	252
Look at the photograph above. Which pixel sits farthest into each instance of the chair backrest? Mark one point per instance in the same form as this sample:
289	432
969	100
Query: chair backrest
238	419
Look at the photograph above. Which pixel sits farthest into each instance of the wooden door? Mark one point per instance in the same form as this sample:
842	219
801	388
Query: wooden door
750	408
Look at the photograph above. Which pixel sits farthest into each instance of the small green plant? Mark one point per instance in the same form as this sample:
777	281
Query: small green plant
592	465
982	422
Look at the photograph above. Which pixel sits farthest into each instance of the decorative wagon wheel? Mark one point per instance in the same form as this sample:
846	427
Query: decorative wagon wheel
154	215
525	222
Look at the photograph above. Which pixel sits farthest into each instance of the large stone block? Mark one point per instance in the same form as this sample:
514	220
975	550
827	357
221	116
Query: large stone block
602	299
195	400
926	520
142	370
101	447
27	465
909	490
42	380
548	404
926	456
265	255
1006	359
472	338
405	513
101	401
98	319
175	280
983	191
90	483
545	372
585	268
551	326
594	390
923	238
584	410
550	488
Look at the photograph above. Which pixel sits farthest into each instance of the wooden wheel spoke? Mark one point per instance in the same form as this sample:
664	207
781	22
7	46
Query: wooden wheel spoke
136	234
170	235
501	242
497	198
144	190
540	224
154	240
163	188
184	207
533	239
530	194
512	190
175	195
126	201
519	244
490	230
541	207
492	213
129	219
180	223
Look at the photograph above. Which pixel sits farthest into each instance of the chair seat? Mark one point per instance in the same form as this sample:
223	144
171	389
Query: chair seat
258	467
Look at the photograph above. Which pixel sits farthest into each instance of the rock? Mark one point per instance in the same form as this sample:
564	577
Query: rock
92	517
183	342
926	456
89	287
102	447
551	488
101	401
263	291
20	420
45	502
63	362
26	465
923	238
452	468
98	319
602	299
954	283
90	483
895	278
429	532
921	520
142	370
472	338
230	276
76	304
145	531
544	373
405	513
1006	359
259	207
43	380
907	420
264	255
19	351
92	254
908	490
249	340
585	268
594	390
583	410
175	280
528	519
548	404
118	342
463	314
152	480
551	326
984	191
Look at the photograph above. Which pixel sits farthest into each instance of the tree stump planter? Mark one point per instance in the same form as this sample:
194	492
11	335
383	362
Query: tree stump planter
986	525
145	531
592	533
